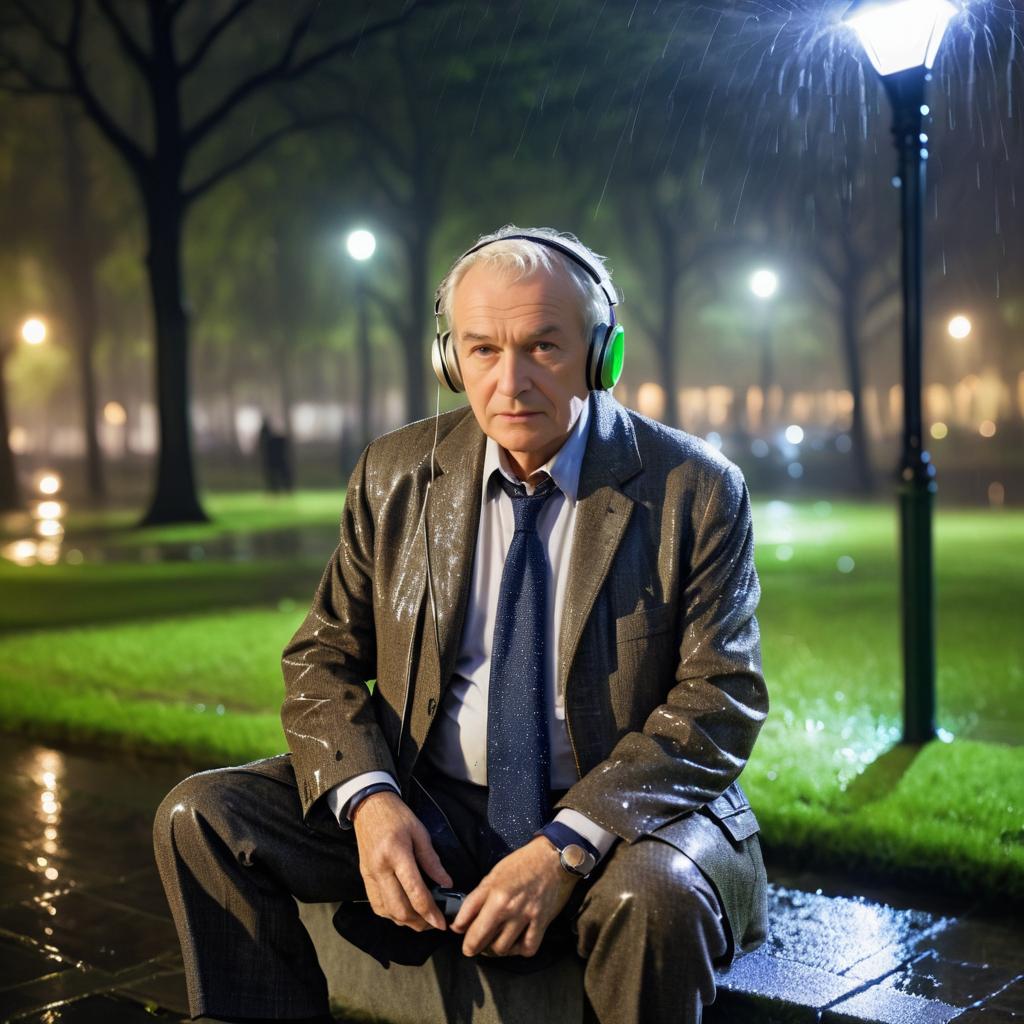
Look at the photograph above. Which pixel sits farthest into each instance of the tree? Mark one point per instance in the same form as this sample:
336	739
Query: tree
38	57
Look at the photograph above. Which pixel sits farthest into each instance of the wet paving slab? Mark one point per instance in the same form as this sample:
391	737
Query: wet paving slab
86	933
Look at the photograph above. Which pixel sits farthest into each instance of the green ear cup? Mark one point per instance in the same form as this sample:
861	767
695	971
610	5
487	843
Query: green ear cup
611	365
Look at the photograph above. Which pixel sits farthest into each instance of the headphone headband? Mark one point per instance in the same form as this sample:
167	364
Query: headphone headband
564	249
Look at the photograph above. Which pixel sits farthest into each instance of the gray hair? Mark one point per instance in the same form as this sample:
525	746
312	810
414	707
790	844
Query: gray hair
522	257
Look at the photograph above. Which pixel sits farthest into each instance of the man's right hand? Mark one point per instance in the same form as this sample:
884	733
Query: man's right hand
393	845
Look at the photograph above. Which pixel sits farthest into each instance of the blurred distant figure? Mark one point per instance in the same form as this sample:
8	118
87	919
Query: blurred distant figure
274	458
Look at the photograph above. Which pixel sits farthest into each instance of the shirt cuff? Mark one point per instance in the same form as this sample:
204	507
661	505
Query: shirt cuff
344	797
599	837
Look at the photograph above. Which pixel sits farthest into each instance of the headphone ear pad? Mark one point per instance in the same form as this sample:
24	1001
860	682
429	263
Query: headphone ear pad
612	357
446	363
604	357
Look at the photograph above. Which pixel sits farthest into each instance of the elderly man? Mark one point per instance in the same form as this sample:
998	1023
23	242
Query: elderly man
555	599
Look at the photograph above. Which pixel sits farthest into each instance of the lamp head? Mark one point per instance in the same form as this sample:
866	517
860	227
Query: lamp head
901	34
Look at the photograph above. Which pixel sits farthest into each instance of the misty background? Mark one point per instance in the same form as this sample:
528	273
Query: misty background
178	180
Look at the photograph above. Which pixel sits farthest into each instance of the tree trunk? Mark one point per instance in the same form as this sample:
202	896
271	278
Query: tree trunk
10	492
422	305
175	499
77	257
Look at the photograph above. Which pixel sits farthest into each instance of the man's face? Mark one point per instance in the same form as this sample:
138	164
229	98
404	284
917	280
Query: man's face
522	351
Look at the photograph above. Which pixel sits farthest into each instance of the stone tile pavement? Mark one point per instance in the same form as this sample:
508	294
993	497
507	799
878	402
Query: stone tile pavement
86	935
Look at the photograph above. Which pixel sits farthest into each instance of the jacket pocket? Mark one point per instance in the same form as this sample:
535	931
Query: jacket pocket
646	622
733	812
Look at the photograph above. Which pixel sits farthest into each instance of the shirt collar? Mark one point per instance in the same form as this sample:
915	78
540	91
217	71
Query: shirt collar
563	467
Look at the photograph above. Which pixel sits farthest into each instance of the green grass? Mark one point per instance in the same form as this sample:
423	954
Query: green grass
184	658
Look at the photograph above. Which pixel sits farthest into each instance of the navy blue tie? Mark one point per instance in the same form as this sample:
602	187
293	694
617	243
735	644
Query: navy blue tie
518	757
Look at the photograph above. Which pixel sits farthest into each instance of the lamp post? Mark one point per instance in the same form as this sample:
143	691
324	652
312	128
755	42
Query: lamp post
901	39
361	245
764	283
32	332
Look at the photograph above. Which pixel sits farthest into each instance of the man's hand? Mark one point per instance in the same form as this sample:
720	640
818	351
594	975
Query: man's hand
508	913
393	844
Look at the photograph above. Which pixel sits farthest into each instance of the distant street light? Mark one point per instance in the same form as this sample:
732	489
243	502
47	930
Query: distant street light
32	332
764	283
901	40
959	327
361	245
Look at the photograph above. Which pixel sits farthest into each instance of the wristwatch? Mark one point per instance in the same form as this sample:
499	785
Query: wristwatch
575	854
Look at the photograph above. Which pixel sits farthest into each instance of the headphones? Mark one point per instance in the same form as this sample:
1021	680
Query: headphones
604	367
604	351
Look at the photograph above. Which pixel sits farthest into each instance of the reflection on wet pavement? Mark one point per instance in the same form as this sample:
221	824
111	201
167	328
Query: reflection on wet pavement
290	542
86	934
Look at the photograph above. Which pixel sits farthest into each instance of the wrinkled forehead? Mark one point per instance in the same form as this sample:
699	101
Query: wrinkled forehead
497	294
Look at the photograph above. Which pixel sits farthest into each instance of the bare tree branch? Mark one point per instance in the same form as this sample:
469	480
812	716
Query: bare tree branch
380	180
41	27
124	143
30	83
212	35
139	57
283	70
268	140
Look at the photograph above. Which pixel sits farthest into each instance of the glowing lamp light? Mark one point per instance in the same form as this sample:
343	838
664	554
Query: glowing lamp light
360	244
902	34
114	413
959	327
764	283
48	483
33	331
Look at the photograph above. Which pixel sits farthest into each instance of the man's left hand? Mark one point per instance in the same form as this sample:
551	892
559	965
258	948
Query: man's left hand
508	913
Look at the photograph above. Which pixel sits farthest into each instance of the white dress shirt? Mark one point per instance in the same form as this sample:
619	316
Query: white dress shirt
457	741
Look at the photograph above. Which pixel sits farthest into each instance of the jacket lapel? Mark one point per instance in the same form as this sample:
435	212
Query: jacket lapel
453	518
602	515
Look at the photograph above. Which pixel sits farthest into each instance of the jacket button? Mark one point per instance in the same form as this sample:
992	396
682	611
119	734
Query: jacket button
431	704
337	755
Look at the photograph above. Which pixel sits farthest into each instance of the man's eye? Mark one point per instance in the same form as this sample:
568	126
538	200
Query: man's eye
551	343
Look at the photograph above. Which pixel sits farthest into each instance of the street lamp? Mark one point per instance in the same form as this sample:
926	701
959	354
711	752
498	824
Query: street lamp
901	39
959	327
32	332
764	283
361	245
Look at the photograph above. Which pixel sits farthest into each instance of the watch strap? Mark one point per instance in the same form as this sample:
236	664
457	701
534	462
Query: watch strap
561	835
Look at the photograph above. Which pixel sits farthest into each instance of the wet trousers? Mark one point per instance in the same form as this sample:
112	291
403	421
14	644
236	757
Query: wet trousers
233	850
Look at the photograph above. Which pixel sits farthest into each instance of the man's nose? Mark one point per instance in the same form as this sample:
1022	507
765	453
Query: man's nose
513	373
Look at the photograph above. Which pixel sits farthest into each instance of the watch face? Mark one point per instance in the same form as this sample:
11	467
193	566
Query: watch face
575	855
577	860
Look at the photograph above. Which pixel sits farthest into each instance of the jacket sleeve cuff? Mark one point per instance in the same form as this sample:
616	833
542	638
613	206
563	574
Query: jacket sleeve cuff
344	797
598	837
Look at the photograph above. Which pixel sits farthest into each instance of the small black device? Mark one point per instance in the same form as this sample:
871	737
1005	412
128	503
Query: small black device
448	901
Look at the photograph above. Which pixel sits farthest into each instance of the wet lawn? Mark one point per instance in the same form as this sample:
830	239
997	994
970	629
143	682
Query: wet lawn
184	657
